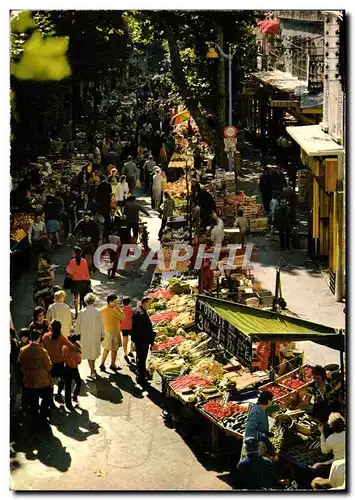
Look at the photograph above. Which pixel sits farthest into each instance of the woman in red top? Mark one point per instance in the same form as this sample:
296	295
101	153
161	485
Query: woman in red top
126	327
72	359
53	342
78	269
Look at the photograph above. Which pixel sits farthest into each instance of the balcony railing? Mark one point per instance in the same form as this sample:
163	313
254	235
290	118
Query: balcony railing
301	15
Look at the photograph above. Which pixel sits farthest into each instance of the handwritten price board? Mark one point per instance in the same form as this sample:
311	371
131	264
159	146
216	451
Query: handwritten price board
233	340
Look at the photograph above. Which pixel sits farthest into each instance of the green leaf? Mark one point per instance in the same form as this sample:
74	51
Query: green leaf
43	59
22	22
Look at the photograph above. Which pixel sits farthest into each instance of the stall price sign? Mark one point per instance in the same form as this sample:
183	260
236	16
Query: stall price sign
225	334
207	320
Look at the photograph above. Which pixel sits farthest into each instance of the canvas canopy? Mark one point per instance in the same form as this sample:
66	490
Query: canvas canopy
267	326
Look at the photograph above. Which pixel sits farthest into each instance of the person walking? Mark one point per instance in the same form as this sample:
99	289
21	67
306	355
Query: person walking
72	359
157	188
131	212
60	311
90	327
35	365
242	223
53	341
122	191
89	231
265	187
168	211
283	221
112	316
148	170
130	170
143	337
39	322
126	326
37	235
52	217
78	270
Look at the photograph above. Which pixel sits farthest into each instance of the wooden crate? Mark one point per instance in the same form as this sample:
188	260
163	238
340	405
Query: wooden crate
281	399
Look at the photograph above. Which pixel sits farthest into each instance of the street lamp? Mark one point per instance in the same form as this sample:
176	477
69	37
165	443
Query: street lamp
212	54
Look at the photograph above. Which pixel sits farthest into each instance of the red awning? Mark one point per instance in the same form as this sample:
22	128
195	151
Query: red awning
269	27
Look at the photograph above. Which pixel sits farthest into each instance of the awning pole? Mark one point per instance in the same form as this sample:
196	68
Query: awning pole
342	367
274	308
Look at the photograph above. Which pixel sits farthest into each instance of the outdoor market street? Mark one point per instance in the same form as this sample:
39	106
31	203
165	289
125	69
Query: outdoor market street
116	441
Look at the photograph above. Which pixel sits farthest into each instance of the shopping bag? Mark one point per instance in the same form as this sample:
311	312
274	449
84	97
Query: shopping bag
138	184
68	281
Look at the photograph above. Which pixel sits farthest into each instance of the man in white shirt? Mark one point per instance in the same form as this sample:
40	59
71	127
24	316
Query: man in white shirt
217	233
37	233
148	170
61	312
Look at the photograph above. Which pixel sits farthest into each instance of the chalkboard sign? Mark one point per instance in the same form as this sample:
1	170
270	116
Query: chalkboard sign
233	340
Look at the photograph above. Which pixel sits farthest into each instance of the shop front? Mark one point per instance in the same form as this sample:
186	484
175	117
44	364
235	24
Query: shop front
324	159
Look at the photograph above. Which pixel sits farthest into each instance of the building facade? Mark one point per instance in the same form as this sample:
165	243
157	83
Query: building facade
323	153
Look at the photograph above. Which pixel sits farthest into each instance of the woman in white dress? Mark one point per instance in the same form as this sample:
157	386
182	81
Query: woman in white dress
157	189
121	191
90	327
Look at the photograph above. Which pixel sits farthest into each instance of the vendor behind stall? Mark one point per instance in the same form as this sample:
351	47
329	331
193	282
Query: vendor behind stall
320	395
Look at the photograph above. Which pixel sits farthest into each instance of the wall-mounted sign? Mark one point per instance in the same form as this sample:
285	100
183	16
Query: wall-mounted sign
284	104
224	333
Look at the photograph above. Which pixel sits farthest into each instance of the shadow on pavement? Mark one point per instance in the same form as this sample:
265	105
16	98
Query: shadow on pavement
38	443
102	388
72	423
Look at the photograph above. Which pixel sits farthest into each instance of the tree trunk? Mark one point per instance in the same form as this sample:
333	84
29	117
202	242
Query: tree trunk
221	98
180	80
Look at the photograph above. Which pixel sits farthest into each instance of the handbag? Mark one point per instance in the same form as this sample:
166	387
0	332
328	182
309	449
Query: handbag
68	281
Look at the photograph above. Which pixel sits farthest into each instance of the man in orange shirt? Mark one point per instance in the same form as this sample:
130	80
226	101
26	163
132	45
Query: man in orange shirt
112	315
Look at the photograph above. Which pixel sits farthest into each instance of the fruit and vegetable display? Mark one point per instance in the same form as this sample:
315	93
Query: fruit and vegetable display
277	390
19	226
293	383
165	317
180	235
161	293
307	373
167	344
216	409
237	423
188	382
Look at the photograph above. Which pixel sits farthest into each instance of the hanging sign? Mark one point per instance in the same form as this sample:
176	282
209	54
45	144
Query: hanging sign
224	333
230	132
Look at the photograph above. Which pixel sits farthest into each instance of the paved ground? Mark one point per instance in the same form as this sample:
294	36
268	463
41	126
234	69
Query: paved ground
113	431
116	441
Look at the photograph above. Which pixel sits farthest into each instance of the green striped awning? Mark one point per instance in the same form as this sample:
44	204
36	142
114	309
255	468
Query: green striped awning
267	326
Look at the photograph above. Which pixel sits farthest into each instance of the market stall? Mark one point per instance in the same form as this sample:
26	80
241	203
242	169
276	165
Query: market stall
204	354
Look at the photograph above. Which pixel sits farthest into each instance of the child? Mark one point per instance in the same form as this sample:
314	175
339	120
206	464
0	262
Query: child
72	359
126	326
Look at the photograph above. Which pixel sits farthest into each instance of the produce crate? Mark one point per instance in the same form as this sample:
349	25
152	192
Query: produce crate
286	397
288	375
265	297
302	429
257	225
